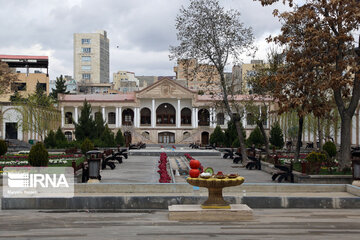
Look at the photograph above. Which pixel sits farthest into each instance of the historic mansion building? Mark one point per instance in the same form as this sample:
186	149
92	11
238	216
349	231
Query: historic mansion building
164	112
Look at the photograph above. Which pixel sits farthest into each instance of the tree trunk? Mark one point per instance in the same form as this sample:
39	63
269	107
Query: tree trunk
261	126
345	146
299	137
241	141
231	115
320	133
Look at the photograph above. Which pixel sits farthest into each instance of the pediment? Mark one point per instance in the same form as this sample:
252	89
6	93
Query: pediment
165	88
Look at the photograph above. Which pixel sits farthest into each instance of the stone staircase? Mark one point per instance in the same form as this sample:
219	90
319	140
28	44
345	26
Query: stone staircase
15	145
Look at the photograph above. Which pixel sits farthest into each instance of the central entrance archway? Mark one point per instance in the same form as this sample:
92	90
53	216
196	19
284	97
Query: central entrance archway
166	137
165	114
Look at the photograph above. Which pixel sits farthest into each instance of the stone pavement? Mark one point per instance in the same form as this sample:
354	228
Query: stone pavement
268	224
143	169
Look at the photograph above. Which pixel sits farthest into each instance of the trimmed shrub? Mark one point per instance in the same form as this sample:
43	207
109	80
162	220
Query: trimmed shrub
86	146
107	137
60	139
119	139
3	147
255	138
217	137
38	156
330	149
276	136
50	140
314	160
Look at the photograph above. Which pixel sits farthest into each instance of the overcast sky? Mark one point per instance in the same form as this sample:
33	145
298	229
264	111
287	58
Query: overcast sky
140	31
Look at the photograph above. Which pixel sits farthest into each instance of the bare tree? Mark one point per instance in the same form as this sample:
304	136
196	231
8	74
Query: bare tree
330	26
215	36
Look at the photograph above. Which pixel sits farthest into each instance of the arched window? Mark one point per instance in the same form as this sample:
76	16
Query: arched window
111	118
145	118
68	136
146	135
185	116
204	117
166	137
186	135
128	117
220	119
68	118
165	114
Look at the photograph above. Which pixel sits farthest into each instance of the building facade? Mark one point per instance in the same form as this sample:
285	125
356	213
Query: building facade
91	58
29	75
125	81
163	113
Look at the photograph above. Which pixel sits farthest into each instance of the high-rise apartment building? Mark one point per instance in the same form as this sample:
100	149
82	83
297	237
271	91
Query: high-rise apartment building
91	57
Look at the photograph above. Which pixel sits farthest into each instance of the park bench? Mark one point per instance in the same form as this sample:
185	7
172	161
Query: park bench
238	158
193	145
109	157
253	163
310	145
284	171
139	145
228	154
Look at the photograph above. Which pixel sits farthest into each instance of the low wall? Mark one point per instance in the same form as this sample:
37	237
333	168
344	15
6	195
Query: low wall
311	179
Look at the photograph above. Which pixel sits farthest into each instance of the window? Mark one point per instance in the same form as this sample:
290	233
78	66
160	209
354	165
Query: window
145	116
41	86
85	41
86	67
68	118
86	76
68	136
111	118
16	86
185	116
204	117
220	119
86	50
86	58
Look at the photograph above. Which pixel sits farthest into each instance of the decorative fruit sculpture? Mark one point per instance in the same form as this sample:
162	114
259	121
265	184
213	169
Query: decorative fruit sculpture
194	173
194	164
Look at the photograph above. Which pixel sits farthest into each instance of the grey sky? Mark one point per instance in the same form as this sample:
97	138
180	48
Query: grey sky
142	30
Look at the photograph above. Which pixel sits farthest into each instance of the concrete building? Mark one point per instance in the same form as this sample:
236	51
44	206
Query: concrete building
125	81
91	58
197	77
248	71
29	70
164	112
70	83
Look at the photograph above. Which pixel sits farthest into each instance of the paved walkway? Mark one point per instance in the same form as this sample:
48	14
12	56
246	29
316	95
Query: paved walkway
268	224
143	169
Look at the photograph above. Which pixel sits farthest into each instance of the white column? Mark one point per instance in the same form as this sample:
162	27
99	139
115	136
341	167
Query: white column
62	117
244	119
153	114
212	118
116	117
103	113
136	117
76	115
196	118
120	117
193	118
178	117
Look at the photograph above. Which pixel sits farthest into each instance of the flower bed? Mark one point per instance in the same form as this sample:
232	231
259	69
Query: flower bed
164	175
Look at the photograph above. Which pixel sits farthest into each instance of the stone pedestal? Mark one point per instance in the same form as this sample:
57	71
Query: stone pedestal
237	212
91	180
356	183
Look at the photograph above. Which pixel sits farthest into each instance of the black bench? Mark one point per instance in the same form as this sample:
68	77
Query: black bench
228	154
253	163
284	172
